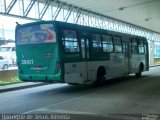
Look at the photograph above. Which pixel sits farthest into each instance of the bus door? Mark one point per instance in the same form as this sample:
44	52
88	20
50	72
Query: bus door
85	55
126	56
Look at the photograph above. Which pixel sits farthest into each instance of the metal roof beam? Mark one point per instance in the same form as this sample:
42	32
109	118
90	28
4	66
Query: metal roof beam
77	17
4	1
47	3
23	7
80	16
54	17
29	7
18	16
98	14
68	14
10	6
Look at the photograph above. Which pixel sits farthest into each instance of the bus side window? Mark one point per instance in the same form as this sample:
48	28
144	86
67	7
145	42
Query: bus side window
107	43
125	47
117	44
96	41
134	46
70	41
141	46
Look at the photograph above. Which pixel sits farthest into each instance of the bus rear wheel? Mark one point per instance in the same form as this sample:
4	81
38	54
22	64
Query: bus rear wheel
141	67
73	84
101	76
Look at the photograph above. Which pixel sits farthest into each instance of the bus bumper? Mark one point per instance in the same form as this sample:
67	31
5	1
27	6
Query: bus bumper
40	78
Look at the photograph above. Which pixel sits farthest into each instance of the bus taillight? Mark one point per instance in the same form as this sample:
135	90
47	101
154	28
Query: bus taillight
38	68
57	67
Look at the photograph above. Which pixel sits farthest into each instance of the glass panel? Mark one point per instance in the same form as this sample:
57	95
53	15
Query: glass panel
97	45
107	43
125	47
70	35
117	40
36	34
117	44
70	41
141	46
134	46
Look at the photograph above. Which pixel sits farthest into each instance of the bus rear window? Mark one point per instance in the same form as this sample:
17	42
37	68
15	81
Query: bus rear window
35	34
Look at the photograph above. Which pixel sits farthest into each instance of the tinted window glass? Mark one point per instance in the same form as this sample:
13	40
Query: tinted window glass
107	43
117	44
141	46
70	41
96	40
134	46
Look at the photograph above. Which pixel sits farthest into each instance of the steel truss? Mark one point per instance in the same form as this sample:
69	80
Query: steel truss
56	10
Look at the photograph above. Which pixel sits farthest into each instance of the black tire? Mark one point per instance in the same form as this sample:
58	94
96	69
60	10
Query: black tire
73	84
5	67
101	76
139	74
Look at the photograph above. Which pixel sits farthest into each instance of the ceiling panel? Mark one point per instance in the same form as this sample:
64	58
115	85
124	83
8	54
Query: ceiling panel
144	13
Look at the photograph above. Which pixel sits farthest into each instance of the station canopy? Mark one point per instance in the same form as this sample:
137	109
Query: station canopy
143	13
137	17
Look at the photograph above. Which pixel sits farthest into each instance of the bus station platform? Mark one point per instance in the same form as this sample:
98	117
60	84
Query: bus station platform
18	86
24	85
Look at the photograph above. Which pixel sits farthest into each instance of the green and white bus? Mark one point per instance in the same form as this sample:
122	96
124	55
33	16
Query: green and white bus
53	51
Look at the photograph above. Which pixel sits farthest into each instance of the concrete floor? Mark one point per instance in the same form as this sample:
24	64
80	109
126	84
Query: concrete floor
125	98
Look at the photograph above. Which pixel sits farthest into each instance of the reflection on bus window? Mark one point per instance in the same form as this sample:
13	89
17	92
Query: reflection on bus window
117	44
70	41
134	46
107	43
36	34
96	40
141	46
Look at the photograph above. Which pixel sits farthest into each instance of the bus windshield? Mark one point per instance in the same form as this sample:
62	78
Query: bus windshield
35	34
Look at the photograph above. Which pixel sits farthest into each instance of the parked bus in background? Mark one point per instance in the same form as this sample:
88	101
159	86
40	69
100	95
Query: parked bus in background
8	51
52	51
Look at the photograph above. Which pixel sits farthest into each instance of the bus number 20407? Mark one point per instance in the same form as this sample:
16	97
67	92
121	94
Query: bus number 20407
29	62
